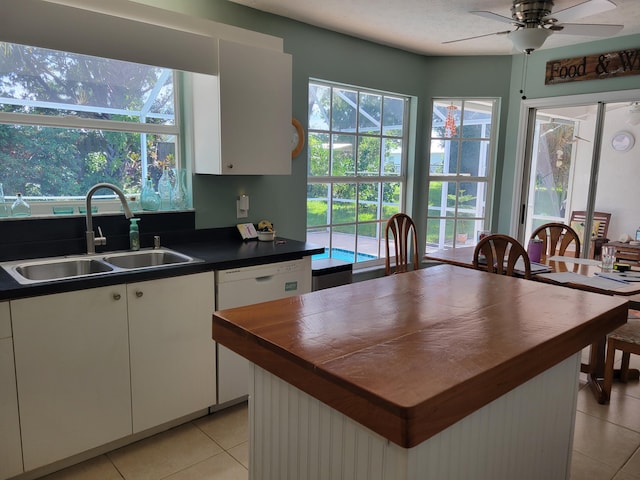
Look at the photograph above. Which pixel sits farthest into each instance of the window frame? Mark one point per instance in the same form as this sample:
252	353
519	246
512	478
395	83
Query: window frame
483	221
359	179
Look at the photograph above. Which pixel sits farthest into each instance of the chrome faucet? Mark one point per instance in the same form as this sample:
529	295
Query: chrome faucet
92	240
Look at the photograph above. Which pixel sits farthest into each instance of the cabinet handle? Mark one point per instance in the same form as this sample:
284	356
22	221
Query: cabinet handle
230	166
116	296
139	293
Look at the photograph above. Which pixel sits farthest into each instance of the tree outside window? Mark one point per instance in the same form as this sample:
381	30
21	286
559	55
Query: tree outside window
69	121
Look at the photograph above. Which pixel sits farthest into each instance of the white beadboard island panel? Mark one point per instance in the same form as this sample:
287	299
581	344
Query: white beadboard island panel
526	434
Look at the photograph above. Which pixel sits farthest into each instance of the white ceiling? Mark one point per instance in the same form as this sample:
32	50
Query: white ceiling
422	25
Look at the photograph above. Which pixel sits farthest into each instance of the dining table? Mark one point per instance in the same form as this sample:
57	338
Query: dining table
569	272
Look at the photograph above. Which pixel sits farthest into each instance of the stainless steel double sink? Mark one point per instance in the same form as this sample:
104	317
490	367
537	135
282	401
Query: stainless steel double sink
40	270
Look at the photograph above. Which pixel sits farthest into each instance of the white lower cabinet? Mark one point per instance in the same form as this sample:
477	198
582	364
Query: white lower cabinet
97	365
10	448
72	371
172	352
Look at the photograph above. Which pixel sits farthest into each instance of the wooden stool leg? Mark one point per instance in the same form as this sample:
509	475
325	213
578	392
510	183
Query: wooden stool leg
608	371
624	367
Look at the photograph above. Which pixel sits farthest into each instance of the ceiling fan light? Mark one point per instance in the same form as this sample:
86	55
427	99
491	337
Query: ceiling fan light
529	39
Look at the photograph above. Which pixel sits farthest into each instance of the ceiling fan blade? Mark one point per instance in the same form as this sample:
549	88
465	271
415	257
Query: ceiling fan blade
592	30
478	36
495	16
585	9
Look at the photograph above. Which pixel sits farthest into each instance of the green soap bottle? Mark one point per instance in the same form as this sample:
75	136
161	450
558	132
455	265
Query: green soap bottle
134	235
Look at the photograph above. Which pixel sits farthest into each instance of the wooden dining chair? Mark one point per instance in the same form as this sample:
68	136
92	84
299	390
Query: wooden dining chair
626	339
502	254
401	232
557	238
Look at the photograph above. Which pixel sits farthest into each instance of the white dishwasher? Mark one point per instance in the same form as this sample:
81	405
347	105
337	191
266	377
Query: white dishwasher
238	287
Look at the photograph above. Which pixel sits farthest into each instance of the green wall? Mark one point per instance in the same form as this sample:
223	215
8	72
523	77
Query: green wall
319	53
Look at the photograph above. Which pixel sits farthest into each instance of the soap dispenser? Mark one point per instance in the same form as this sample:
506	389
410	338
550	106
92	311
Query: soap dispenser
134	235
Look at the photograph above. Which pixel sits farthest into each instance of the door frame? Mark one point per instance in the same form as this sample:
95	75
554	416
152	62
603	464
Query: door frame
522	169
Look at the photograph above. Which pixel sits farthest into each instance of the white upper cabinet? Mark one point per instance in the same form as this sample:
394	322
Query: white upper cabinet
242	117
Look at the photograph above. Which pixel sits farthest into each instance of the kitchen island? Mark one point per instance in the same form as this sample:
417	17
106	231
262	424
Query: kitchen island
441	373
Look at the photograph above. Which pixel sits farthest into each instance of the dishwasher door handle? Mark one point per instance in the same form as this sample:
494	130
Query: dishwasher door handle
266	278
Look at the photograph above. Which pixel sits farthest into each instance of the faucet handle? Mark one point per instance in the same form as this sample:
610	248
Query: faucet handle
100	239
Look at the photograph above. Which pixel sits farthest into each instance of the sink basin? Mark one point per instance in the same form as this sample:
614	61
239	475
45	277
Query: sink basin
145	259
59	269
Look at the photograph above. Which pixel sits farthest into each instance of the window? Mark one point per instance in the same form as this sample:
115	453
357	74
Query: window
69	121
356	173
460	173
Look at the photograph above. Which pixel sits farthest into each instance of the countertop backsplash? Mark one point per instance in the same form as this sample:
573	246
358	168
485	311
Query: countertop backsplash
47	237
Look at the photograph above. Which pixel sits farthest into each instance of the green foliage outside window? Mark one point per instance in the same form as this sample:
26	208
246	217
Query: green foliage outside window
51	158
356	150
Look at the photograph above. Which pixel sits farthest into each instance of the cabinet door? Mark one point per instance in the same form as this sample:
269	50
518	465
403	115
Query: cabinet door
172	352
72	372
255	110
242	117
10	449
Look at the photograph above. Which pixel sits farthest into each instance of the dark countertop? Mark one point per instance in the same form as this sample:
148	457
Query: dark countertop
216	254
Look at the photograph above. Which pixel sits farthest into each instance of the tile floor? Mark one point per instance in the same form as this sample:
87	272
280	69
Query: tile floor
606	445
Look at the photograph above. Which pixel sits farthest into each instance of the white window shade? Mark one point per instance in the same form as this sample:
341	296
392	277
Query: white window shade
74	29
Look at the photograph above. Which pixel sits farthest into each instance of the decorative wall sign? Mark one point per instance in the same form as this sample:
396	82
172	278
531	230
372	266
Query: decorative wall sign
593	67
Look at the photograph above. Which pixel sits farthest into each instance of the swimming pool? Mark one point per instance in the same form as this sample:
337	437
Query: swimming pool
346	255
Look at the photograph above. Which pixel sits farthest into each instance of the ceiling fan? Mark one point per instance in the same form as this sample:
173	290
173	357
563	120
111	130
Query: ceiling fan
534	22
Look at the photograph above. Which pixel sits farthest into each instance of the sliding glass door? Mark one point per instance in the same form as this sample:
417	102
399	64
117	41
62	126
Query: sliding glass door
561	148
581	168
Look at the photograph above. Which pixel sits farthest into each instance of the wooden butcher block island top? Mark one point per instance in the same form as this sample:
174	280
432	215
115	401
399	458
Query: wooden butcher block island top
409	355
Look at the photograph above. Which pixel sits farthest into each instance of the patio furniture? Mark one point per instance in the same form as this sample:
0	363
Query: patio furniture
599	230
